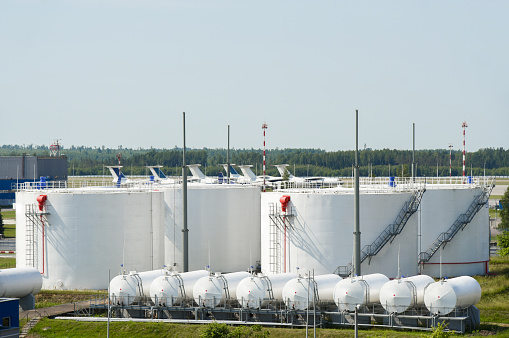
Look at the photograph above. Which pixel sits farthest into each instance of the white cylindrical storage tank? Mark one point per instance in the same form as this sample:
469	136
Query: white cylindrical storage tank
325	285
124	289
226	226
86	232
164	290
468	253
278	282
298	293
362	290
402	294
147	277
210	291
322	220
444	296
253	292
19	282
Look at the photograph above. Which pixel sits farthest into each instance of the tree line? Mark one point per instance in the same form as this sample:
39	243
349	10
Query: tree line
303	162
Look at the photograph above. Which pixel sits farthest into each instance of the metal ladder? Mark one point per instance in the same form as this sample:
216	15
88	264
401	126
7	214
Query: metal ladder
30	240
278	221
460	224
34	219
389	233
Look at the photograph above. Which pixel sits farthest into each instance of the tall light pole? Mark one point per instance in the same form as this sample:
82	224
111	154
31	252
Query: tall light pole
264	127
464	125
357	232
450	163
185	250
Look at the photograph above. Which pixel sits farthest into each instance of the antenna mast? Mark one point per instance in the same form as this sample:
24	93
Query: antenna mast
464	125
264	127
450	163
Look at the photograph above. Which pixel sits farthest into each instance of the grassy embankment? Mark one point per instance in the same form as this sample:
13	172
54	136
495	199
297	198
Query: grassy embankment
494	306
9	229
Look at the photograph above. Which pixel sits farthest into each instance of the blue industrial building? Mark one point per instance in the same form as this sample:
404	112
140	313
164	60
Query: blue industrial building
20	169
9	314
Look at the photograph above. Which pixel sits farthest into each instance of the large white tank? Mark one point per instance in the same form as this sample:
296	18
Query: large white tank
468	252
223	223
128	288
361	290
165	290
320	233
444	296
399	295
210	291
253	291
19	282
89	232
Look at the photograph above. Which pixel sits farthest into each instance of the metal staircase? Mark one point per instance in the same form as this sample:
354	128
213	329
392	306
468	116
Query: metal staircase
389	233
34	219
460	224
278	222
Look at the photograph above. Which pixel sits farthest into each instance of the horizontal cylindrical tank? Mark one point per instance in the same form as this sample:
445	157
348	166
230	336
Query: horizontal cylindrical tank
252	292
325	285
127	288
19	282
399	295
361	290
124	289
210	291
298	293
164	290
444	296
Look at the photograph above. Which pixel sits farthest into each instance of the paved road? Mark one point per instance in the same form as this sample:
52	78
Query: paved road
54	310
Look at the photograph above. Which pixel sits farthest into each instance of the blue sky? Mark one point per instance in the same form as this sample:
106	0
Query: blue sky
121	72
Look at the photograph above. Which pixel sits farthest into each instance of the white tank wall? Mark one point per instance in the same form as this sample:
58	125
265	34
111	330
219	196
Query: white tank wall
323	235
222	221
440	209
88	233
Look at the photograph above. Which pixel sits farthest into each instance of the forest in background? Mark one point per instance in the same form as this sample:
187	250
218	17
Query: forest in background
303	162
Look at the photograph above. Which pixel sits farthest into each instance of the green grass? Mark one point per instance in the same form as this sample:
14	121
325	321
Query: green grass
47	298
496	197
10	231
494	303
68	328
8	262
11	214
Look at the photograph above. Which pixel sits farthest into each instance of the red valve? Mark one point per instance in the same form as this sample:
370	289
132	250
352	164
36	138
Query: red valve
41	199
284	202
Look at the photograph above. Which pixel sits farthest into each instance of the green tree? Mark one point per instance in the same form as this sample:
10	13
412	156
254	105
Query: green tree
1	222
286	175
503	243
504	212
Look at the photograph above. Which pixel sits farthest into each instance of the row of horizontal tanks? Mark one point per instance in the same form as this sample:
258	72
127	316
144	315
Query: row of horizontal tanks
82	233
297	292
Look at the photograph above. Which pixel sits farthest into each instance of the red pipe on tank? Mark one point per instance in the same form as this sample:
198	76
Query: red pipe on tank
284	205
42	200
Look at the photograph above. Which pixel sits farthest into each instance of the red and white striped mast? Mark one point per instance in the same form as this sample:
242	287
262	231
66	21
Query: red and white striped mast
464	126
450	163
264	126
